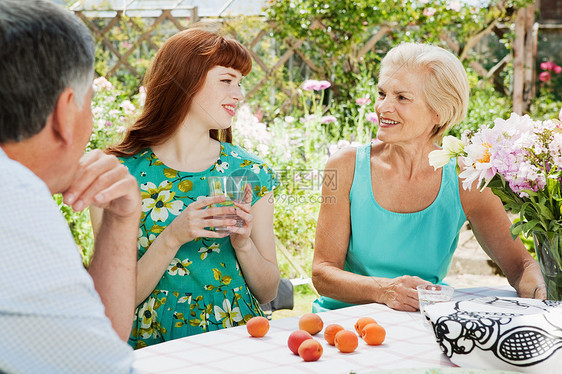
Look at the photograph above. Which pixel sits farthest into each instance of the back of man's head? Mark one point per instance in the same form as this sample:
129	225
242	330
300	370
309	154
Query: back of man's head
43	50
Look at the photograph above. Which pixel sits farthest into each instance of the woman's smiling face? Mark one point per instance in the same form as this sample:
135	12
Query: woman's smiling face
215	103
404	115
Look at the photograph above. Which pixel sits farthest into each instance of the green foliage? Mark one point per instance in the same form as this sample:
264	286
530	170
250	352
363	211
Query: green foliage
335	29
484	106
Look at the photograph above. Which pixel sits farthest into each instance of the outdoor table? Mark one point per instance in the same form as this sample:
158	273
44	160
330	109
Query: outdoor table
408	344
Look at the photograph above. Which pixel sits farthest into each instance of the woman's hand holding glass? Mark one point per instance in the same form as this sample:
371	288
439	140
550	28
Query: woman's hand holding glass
400	293
196	219
240	236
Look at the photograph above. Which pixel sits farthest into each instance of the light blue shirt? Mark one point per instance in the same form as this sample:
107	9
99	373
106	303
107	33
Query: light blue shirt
389	244
52	320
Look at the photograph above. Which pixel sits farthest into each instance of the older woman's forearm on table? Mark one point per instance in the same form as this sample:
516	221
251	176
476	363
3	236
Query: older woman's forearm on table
530	283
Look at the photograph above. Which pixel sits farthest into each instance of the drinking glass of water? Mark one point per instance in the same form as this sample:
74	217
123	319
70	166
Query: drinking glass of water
231	187
430	294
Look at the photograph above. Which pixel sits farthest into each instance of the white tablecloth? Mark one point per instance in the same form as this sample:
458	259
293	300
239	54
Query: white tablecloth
408	344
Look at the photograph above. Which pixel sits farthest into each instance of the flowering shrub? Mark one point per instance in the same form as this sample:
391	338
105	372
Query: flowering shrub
112	113
547	68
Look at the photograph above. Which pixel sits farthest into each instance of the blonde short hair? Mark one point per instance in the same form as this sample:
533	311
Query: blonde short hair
445	87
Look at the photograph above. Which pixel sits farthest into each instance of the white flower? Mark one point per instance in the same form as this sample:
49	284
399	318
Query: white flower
206	250
147	314
159	201
452	147
144	241
221	166
227	314
179	267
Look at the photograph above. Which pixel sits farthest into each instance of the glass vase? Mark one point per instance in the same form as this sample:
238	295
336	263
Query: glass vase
549	253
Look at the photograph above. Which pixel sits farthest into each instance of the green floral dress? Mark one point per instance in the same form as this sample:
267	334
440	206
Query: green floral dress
203	288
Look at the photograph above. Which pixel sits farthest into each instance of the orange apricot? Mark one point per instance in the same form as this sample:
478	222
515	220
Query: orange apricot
361	322
311	322
330	332
346	341
310	350
373	334
295	340
257	326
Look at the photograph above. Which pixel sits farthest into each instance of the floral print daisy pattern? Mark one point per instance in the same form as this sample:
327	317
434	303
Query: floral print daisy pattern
159	201
206	250
227	314
203	288
179	267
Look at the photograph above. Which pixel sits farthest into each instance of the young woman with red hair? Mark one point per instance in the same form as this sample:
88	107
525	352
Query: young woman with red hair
190	278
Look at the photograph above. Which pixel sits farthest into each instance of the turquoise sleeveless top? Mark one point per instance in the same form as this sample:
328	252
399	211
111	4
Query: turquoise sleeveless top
388	244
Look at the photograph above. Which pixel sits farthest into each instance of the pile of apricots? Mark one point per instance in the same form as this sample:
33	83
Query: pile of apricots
302	343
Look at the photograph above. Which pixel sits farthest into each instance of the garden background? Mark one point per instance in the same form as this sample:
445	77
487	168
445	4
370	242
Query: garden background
510	48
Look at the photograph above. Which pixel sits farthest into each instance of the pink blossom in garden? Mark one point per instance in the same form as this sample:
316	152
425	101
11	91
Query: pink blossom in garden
372	117
544	76
428	12
127	106
548	65
557	69
455	5
308	118
108	123
314	85
363	100
328	119
324	84
102	83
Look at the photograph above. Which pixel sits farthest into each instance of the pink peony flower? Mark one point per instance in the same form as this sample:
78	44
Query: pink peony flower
544	76
328	119
314	85
428	12
324	84
372	117
557	69
363	100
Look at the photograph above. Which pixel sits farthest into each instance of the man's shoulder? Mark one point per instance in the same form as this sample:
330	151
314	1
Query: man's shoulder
16	175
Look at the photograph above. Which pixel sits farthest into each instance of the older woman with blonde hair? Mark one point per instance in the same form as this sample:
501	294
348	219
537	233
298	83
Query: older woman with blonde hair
395	222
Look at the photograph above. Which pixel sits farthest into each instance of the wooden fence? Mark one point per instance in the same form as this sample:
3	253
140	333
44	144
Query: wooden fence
523	56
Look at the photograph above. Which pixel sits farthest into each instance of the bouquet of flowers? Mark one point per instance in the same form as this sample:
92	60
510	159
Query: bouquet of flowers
521	161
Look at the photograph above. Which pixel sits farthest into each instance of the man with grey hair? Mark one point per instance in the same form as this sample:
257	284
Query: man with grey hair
57	318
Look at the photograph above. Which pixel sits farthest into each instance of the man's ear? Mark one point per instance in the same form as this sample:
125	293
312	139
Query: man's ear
62	118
